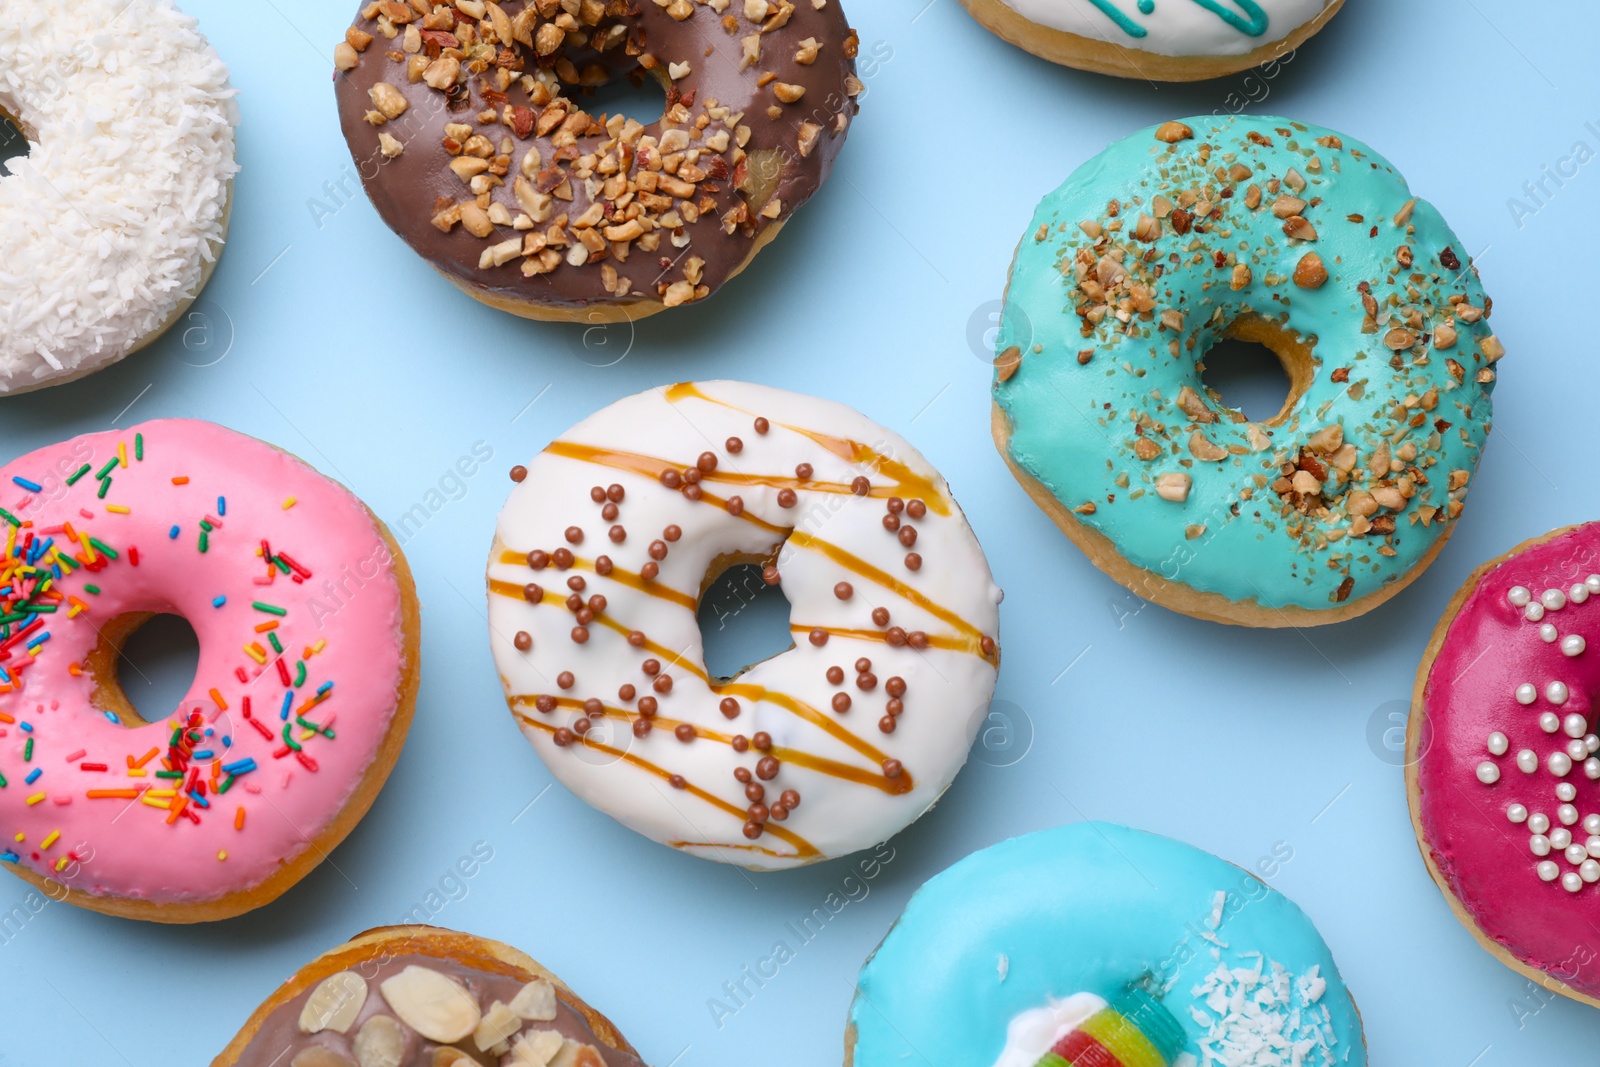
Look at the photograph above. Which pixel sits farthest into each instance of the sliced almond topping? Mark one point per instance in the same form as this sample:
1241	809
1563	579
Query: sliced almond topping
381	1042
435	1006
334	1004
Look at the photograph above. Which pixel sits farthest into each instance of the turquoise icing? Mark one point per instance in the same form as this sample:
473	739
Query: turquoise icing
1075	424
1253	21
1088	908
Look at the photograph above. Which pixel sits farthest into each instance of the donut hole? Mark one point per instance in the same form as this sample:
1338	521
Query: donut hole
743	620
1258	369
144	666
638	96
14	137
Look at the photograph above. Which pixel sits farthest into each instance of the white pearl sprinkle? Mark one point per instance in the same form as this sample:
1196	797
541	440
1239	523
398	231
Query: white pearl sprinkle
1517	813
1589	871
1593	845
1548	633
1560	838
1498	743
1592	742
1575	725
1567	814
1527	761
1591	768
1576	854
1539	845
1573	645
1571	882
1559	764
1548	871
1538	822
1533	612
1591	824
1577	750
1527	693
1519	596
1578	593
1488	773
1556	692
1549	722
1566	791
1593	582
1553	599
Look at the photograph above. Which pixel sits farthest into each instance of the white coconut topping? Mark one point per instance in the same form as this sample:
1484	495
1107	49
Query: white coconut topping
1262	1016
110	221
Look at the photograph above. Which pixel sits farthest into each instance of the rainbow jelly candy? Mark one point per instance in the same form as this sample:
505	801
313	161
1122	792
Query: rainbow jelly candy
1136	1031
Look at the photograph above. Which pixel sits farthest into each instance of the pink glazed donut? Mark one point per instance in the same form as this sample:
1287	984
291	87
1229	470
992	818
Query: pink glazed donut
308	631
1503	768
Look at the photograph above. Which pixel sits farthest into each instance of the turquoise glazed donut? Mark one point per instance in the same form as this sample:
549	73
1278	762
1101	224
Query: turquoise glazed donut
1271	231
1000	959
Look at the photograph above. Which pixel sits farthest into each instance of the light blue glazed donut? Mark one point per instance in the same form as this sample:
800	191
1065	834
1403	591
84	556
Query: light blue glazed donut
1273	231
1088	912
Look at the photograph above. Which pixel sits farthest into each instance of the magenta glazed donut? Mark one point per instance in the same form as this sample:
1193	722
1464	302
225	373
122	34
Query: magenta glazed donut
1504	768
308	630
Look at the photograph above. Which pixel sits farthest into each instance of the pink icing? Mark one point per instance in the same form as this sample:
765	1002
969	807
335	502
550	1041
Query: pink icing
1490	649
350	609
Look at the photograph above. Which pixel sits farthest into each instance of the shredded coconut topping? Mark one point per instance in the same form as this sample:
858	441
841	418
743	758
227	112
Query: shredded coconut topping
111	220
1263	1016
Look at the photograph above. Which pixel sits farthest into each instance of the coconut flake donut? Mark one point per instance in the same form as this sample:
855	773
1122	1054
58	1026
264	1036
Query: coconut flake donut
616	530
1156	40
292	587
1265	230
468	125
1093	945
114	221
1503	767
421	995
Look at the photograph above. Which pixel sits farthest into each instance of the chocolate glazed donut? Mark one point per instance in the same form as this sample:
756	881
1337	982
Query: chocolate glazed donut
467	124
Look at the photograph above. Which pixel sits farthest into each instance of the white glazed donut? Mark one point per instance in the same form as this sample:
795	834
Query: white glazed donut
615	531
1157	40
112	223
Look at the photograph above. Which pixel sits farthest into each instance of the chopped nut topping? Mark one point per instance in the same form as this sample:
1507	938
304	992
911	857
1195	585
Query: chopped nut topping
1173	132
1310	273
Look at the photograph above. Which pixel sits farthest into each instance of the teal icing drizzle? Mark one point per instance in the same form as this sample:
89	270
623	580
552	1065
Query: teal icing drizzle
1087	908
1403	349
1253	22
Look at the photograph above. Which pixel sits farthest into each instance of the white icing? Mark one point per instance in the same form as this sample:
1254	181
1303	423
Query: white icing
948	684
108	221
1034	1032
1174	28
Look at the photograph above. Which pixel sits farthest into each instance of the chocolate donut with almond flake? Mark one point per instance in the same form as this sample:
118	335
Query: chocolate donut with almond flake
466	119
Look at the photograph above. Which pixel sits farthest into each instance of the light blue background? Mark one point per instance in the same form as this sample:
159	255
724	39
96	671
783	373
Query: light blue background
338	344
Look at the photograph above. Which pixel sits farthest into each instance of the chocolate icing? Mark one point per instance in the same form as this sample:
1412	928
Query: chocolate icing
410	189
280	1039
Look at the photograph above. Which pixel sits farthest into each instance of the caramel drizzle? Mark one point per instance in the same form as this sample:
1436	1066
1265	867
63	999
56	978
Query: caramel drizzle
803	848
820	764
950	642
651	467
866	570
908	483
618	575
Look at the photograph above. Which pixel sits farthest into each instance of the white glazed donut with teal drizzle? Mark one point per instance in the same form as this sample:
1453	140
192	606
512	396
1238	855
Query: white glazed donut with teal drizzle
1271	231
1160	40
1027	953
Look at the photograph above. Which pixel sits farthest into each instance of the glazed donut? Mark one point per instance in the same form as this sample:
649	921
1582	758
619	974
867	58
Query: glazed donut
421	995
467	122
112	224
1270	231
1102	946
612	536
291	586
1169	40
1502	771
